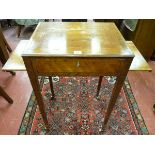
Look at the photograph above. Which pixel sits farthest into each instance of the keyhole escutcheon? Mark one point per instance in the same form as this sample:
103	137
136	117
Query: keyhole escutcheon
78	64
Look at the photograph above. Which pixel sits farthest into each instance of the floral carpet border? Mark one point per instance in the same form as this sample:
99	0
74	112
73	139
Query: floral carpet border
28	117
135	112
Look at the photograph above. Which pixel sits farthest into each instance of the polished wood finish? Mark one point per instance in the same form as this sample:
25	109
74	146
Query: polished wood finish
77	49
36	87
84	39
75	63
34	72
58	66
15	62
142	83
78	65
138	63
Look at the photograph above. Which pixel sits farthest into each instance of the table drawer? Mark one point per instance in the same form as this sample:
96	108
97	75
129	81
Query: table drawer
85	66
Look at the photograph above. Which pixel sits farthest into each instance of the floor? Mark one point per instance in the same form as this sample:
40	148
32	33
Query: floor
19	88
143	87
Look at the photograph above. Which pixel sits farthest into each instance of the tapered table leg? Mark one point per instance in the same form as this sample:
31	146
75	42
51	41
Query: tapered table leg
51	85
99	85
36	88
115	92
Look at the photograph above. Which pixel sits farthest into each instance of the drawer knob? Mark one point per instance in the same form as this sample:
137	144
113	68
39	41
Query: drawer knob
78	64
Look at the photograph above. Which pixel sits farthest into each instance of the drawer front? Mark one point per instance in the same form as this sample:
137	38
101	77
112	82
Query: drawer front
79	66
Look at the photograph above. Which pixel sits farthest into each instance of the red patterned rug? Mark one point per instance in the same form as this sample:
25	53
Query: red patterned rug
77	111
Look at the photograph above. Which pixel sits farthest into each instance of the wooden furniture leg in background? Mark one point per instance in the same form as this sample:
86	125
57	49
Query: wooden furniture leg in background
2	38
5	95
4	48
4	56
19	28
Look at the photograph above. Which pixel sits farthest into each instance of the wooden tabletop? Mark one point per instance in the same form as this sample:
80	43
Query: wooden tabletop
138	63
83	39
15	62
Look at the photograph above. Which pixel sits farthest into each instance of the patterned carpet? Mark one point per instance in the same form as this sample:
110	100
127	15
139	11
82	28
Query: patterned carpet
77	111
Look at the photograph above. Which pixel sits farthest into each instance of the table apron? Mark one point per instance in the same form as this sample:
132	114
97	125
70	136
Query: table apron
80	66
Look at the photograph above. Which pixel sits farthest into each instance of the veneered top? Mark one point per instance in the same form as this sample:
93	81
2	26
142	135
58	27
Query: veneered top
81	39
15	62
138	63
